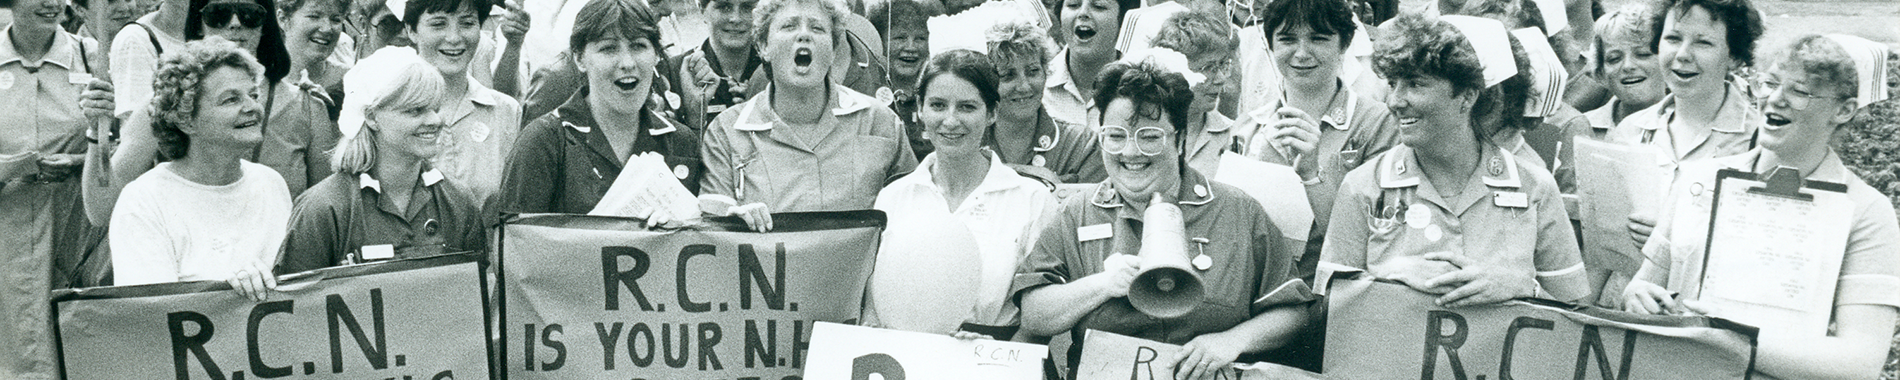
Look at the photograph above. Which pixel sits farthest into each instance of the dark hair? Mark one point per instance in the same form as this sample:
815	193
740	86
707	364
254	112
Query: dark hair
1124	5
1196	34
604	19
1415	46
292	6
1743	23
1323	16
886	13
968	65
1146	85
175	89
1502	105
413	10
270	46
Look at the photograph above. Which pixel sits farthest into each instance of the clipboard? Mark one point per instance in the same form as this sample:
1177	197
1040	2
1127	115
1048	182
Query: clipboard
1773	253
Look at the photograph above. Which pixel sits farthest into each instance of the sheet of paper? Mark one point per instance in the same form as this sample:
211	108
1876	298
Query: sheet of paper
646	186
854	352
1614	181
1773	262
1276	186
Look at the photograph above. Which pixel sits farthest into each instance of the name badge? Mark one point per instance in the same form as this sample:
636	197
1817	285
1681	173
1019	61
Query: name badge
1513	199
379	252
1094	232
79	78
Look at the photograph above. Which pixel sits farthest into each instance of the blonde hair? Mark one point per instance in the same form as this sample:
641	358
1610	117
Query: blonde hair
412	86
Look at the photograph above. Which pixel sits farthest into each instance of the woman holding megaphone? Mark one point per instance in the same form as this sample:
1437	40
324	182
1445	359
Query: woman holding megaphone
1158	251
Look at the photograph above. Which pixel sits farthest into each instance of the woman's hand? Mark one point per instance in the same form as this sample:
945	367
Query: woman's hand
1479	283
96	102
1118	274
1414	271
515	23
60	166
700	79
1299	133
254	281
1644	297
1206	356
1641	225
757	216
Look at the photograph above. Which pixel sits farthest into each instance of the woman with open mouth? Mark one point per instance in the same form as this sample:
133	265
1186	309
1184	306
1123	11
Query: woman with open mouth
384	202
1089	29
207	214
312	29
907	43
1080	274
1448	211
567	160
1698	42
1819	84
1025	136
1627	64
804	143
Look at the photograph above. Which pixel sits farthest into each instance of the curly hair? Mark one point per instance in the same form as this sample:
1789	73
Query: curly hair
1743	23
1826	65
176	84
763	14
1148	86
904	13
1198	34
287	7
1010	40
968	65
1416	46
1628	23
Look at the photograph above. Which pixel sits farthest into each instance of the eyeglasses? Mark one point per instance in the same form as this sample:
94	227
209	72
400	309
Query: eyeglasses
1221	68
1766	88
219	15
1148	141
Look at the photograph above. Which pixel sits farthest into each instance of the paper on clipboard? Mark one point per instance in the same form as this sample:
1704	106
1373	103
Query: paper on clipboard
1613	182
1774	261
644	186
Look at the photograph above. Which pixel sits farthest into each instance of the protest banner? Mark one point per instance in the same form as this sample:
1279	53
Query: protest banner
591	297
854	352
407	319
1109	355
1381	330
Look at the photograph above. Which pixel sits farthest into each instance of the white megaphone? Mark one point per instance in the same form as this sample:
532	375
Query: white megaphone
1167	286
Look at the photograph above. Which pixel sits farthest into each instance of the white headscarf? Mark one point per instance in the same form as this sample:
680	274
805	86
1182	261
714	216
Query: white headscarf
374	78
1489	38
1870	62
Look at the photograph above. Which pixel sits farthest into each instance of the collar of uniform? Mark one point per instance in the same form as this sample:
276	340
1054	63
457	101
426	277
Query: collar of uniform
58	54
1214	122
1398	168
999	178
1729	119
482	95
1499	167
752	61
365	181
1195	190
1831	169
576	113
1047	132
1340	116
1059	76
754	118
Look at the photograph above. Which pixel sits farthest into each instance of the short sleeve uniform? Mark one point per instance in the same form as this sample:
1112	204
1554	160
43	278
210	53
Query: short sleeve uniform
1356	130
1509	214
1733	131
751	158
1069	150
481	132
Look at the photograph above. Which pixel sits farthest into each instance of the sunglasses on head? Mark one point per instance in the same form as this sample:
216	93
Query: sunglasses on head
219	15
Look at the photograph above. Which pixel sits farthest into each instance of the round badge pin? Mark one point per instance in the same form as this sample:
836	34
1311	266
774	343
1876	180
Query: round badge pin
680	171
1202	262
1200	191
1039	160
885	96
1497	166
1418	216
6	80
1695	189
1045	141
1433	233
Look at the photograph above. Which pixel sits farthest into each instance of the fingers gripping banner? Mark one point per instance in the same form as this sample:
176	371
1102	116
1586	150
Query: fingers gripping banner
1379	330
597	297
410	319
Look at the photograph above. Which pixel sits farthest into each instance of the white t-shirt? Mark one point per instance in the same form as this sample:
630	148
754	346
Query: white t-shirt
134	60
166	228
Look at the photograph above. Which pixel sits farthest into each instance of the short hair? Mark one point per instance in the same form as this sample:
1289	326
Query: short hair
1744	25
1628	23
176	86
1824	62
884	14
1007	41
1323	16
417	86
413	9
1196	34
968	65
270	45
763	14
1149	86
287	7
1415	46
606	19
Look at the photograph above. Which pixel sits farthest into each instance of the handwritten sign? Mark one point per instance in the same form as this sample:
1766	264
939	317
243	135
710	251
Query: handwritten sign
854	352
598	297
1114	356
414	319
1378	330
